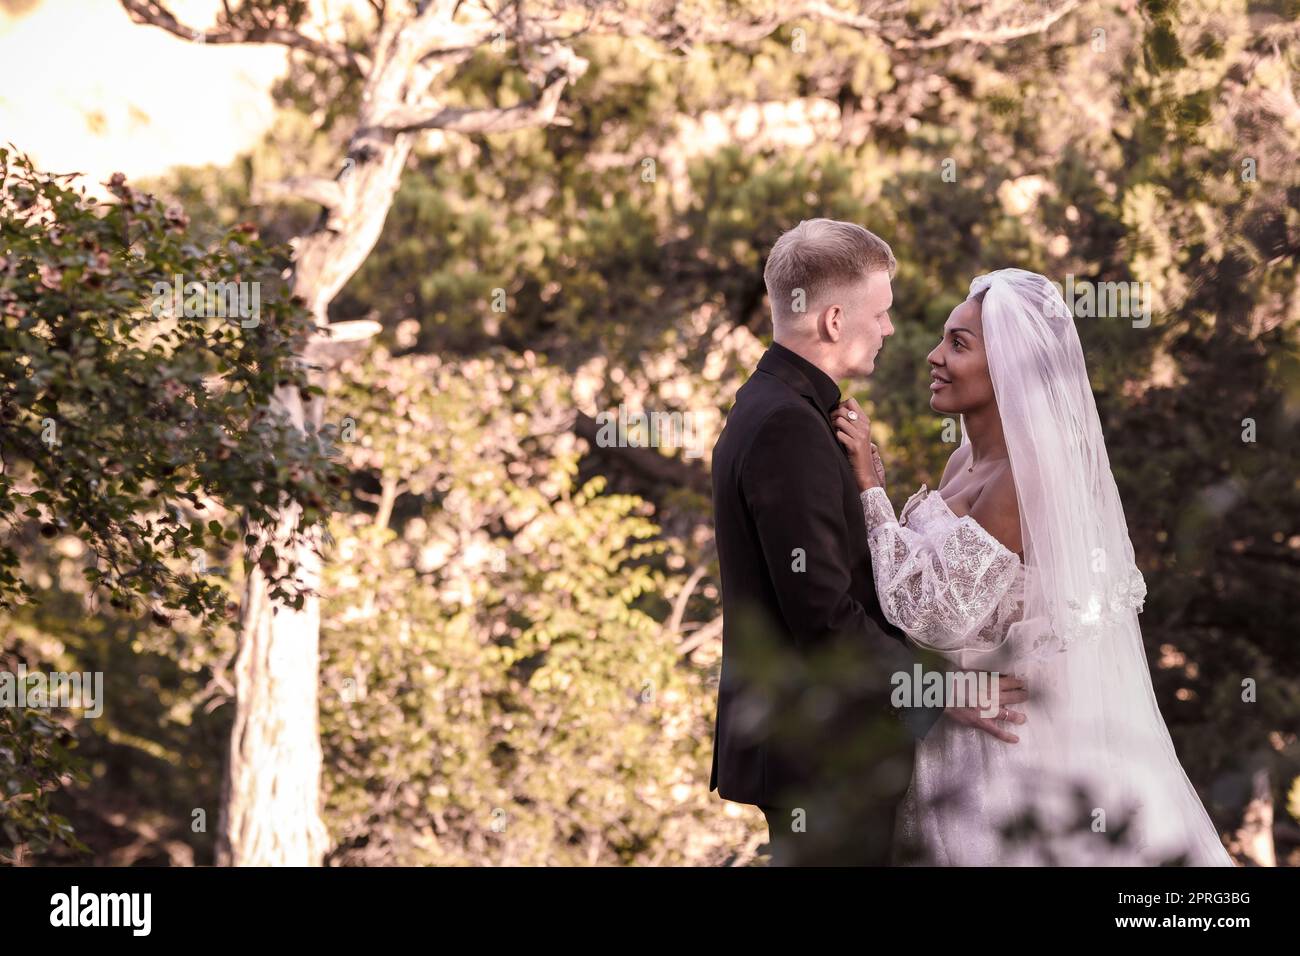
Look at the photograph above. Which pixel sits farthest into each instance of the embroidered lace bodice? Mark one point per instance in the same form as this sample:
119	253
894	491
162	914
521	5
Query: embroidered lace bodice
943	579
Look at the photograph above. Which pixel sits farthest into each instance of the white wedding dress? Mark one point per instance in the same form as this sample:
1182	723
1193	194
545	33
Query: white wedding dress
954	588
1094	778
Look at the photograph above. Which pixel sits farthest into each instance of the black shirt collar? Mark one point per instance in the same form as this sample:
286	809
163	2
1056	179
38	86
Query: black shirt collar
802	375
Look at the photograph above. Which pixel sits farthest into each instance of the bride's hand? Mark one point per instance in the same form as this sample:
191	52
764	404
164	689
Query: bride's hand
853	429
1011	690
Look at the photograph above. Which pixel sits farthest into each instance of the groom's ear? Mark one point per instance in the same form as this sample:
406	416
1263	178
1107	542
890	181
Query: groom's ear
832	322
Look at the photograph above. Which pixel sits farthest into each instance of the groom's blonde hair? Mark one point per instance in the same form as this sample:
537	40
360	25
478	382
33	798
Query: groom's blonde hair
817	256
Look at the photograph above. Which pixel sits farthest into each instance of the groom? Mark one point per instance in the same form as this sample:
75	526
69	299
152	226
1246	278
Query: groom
804	726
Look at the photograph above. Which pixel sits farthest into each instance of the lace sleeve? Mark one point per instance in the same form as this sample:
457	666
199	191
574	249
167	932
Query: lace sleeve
938	591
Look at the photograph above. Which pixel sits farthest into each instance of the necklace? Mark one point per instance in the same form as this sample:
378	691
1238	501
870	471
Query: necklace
974	463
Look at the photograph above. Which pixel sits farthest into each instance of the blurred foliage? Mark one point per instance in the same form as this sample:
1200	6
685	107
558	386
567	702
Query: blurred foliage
497	686
508	670
132	426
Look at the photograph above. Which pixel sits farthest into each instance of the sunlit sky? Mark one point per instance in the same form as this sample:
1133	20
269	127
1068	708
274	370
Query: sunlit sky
84	89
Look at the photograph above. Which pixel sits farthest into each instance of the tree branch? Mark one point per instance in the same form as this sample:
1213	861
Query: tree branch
891	29
433	32
324	192
988	35
539	112
674	623
705	634
565	67
154	13
647	461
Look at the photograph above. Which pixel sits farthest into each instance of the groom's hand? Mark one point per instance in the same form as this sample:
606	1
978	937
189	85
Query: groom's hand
853	429
1011	690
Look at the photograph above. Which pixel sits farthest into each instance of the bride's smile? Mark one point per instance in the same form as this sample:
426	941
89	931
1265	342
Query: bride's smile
959	371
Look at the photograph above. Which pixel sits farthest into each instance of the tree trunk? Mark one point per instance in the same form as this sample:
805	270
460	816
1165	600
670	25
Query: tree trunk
271	809
271	813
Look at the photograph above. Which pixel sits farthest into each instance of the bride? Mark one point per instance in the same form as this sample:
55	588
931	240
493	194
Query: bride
1020	562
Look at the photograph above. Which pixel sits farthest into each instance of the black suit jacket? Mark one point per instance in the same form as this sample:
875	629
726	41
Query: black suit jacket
797	588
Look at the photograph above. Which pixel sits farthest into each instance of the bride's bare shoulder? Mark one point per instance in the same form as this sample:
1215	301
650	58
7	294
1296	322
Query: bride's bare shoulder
998	511
958	459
